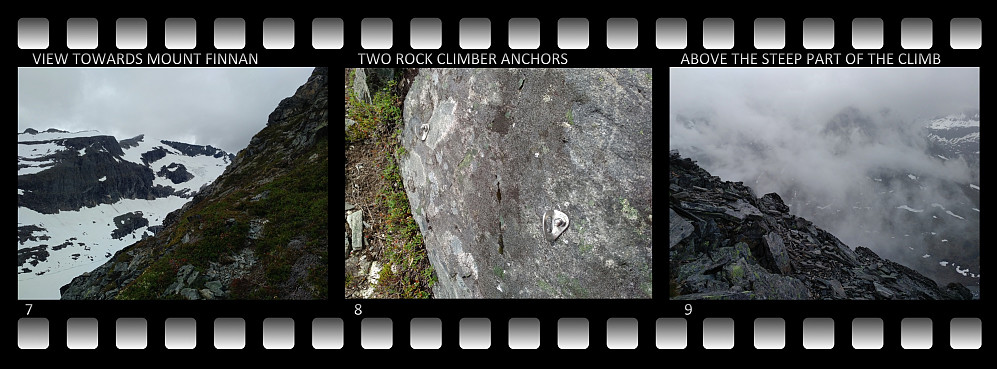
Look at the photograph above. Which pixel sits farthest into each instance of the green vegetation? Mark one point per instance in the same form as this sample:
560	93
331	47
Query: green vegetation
498	271
570	116
295	207
384	107
468	157
406	271
628	211
737	272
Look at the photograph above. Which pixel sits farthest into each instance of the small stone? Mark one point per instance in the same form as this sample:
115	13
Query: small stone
356	225
215	287
349	207
256	228
190	294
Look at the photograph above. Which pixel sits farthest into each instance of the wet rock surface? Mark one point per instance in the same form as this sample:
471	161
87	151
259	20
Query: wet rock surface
488	152
726	243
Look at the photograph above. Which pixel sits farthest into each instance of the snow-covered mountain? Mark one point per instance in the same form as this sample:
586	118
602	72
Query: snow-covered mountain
955	136
82	196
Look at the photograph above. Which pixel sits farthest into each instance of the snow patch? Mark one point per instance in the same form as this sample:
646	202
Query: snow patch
905	207
954	121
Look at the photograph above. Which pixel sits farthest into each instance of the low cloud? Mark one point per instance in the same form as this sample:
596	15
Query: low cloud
769	127
222	107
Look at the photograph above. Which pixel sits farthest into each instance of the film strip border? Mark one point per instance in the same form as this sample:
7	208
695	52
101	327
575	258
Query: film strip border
818	333
476	33
522	333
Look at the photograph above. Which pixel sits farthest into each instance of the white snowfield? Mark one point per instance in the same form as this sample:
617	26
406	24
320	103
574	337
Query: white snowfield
89	229
954	121
90	226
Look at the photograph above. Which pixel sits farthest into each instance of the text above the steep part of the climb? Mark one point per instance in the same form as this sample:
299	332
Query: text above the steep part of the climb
827	58
429	59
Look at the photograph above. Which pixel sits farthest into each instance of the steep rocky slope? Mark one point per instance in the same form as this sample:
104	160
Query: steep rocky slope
260	231
724	243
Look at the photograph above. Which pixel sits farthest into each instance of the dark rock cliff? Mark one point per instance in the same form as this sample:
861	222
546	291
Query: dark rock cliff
260	231
73	182
725	243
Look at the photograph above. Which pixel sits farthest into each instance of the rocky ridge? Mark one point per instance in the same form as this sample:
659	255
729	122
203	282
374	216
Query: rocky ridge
725	243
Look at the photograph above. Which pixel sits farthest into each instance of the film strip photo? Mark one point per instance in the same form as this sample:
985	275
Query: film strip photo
823	183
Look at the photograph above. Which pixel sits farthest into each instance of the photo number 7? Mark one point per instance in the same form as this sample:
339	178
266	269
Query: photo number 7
688	309
29	308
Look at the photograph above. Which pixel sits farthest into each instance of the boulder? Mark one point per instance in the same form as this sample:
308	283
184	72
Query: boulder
488	152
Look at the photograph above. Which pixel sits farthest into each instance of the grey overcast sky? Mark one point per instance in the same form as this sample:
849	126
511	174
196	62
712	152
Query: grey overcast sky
221	107
765	127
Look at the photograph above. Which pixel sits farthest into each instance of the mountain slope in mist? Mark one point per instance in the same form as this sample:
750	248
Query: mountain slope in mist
725	243
882	158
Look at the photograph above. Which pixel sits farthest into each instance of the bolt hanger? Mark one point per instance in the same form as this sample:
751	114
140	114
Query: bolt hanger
554	223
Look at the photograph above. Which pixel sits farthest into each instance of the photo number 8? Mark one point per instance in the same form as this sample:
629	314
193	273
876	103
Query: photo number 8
688	309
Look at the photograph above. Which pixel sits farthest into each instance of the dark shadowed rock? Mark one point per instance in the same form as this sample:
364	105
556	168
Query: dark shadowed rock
715	254
176	173
127	223
75	180
490	151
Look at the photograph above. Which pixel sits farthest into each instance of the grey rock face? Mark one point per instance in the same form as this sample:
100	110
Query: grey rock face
506	145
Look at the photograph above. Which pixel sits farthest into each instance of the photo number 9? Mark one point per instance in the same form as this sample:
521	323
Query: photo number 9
688	309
